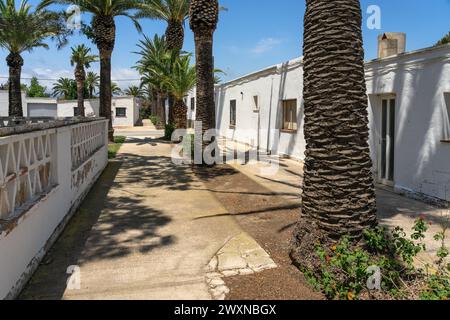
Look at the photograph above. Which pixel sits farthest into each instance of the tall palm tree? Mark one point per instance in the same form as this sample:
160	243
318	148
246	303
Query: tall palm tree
66	88
151	65
82	59
115	89
338	190
204	16
179	83
23	29
134	91
174	12
103	32
92	83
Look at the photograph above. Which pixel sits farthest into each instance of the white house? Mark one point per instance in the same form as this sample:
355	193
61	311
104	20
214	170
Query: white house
125	110
409	111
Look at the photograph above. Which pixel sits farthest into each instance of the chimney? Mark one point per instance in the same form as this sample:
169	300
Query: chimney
391	44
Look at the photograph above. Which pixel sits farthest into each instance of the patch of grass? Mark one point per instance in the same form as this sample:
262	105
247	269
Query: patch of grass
113	148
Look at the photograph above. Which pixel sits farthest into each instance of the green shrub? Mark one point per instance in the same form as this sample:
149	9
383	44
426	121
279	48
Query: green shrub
343	272
113	148
155	120
168	131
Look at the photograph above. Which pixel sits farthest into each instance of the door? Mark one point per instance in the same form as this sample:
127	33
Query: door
386	163
42	110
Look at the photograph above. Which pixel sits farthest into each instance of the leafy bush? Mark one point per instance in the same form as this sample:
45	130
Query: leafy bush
155	120
113	148
168	131
344	270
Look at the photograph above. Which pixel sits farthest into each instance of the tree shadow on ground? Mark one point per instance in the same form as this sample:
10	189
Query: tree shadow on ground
107	225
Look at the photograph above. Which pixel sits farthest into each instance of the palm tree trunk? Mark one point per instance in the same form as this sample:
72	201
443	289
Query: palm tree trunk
105	90
205	82
175	40
105	35
175	35
171	103
180	114
161	108
15	63
338	189
80	78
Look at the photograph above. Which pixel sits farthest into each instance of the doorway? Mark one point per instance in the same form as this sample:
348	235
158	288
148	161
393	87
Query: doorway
386	163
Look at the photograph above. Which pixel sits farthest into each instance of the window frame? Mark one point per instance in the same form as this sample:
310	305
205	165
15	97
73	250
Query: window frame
293	120
233	123
121	116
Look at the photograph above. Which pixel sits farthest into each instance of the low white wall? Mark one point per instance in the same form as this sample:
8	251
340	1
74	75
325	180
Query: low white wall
66	108
73	158
4	104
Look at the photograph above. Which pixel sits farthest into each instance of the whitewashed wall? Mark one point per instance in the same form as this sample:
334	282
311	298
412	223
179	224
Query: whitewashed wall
70	159
4	103
65	108
131	117
419	80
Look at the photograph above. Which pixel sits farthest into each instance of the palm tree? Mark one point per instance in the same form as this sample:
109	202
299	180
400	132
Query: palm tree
204	16
66	88
134	91
338	190
179	83
174	12
151	66
81	59
444	40
115	89
103	32
92	83
23	29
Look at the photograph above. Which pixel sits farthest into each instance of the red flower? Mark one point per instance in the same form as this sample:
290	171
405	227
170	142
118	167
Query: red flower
328	258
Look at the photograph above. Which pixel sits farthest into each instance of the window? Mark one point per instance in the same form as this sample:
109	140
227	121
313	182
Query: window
290	115
255	103
233	113
447	117
192	104
75	112
121	112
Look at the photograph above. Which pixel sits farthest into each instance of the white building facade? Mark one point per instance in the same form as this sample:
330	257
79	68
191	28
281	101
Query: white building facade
409	111
125	110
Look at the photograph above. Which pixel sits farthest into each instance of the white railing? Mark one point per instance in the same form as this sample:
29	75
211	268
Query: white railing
46	170
86	139
26	163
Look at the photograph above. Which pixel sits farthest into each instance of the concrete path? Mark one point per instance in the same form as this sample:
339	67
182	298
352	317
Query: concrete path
140	234
393	209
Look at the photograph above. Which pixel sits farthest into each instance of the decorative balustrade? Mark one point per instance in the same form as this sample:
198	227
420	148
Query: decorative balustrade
86	139
26	163
46	170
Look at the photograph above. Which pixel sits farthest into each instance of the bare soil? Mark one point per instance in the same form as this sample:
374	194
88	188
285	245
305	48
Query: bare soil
270	219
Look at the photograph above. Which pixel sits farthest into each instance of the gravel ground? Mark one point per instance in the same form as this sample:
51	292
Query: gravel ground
270	220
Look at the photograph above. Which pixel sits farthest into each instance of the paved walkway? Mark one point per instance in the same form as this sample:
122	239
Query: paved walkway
393	209
139	234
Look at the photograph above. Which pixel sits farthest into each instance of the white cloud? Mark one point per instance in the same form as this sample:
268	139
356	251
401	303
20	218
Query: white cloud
125	77
265	45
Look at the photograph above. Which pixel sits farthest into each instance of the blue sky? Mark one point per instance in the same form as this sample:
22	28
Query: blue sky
252	34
